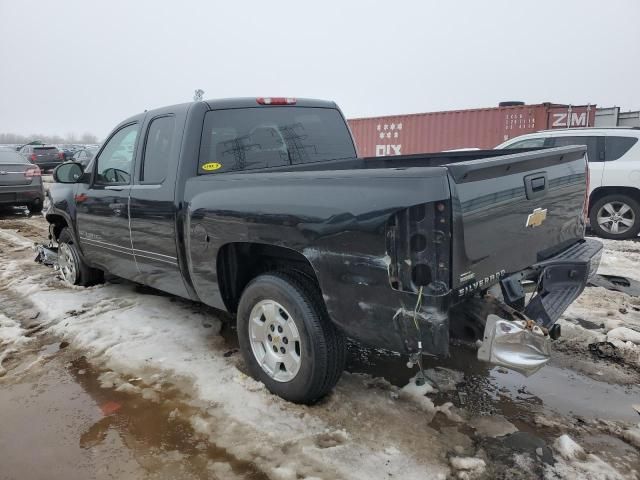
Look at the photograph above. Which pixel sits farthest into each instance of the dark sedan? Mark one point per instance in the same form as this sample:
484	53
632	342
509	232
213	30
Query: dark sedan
84	156
20	181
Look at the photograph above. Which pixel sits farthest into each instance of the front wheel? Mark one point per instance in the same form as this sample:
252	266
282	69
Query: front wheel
615	216
287	339
73	269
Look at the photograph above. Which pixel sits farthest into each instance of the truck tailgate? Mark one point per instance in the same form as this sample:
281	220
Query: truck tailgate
513	211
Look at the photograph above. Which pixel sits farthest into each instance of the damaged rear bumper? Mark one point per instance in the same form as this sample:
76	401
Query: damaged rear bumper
523	343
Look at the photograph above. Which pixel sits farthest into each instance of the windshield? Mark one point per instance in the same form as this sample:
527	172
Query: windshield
251	138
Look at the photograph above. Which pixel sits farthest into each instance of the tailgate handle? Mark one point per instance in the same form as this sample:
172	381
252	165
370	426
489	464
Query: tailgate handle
538	184
535	185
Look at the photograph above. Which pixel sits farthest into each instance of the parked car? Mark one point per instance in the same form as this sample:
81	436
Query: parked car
46	157
68	151
614	164
20	181
261	207
84	155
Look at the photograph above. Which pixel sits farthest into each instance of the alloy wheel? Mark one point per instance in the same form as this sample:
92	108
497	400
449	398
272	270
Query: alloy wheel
275	341
67	264
616	217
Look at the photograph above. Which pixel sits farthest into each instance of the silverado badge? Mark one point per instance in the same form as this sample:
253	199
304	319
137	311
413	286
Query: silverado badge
536	217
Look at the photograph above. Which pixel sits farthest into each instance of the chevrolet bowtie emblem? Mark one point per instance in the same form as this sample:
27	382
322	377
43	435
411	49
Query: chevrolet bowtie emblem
536	217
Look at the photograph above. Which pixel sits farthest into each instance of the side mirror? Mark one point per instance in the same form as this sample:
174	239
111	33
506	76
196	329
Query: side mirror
69	172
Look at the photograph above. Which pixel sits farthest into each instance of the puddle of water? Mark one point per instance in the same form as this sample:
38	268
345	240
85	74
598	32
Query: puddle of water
486	390
80	430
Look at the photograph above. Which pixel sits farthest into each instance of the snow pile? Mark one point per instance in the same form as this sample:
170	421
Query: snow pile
624	334
632	436
417	394
468	467
614	316
12	336
573	462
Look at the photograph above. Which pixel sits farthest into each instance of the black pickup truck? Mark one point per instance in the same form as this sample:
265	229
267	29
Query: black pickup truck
262	208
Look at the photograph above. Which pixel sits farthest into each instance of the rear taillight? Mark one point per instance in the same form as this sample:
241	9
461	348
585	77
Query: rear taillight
33	172
276	101
32	157
61	155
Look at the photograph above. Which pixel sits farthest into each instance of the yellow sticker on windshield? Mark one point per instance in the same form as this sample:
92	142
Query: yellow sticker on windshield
211	166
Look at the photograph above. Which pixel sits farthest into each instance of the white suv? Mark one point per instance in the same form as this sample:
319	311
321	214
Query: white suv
614	165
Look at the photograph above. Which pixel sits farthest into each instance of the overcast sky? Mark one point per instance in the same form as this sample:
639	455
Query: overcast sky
83	66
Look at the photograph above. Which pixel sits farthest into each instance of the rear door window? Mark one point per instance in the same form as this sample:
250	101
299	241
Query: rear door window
594	145
157	150
616	147
252	138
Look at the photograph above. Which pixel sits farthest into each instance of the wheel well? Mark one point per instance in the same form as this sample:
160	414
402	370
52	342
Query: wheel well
598	193
58	223
240	262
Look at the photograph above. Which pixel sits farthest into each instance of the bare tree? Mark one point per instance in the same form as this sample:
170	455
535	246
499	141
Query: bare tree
17	139
197	95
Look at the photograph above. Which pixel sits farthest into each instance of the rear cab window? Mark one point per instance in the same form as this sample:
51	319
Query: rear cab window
242	139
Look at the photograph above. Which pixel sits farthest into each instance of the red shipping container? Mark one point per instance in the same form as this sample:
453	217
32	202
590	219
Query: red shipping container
477	128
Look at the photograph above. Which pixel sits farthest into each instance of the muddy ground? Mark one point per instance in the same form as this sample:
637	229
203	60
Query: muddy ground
119	381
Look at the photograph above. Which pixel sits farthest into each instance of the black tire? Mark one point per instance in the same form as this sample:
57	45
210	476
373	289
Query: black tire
605	230
322	345
35	206
84	275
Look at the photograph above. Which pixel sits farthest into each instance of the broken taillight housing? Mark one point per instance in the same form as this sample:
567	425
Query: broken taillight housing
418	242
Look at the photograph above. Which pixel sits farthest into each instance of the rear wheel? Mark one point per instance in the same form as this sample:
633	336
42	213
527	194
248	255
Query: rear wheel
287	339
615	216
72	268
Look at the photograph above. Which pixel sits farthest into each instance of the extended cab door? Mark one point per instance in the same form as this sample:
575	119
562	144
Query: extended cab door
152	204
103	205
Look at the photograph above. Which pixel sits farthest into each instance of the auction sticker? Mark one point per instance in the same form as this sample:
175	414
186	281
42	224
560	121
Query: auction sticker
211	166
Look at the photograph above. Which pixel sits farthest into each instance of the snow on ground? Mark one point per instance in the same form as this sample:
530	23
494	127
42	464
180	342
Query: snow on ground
12	337
611	316
573	462
620	257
